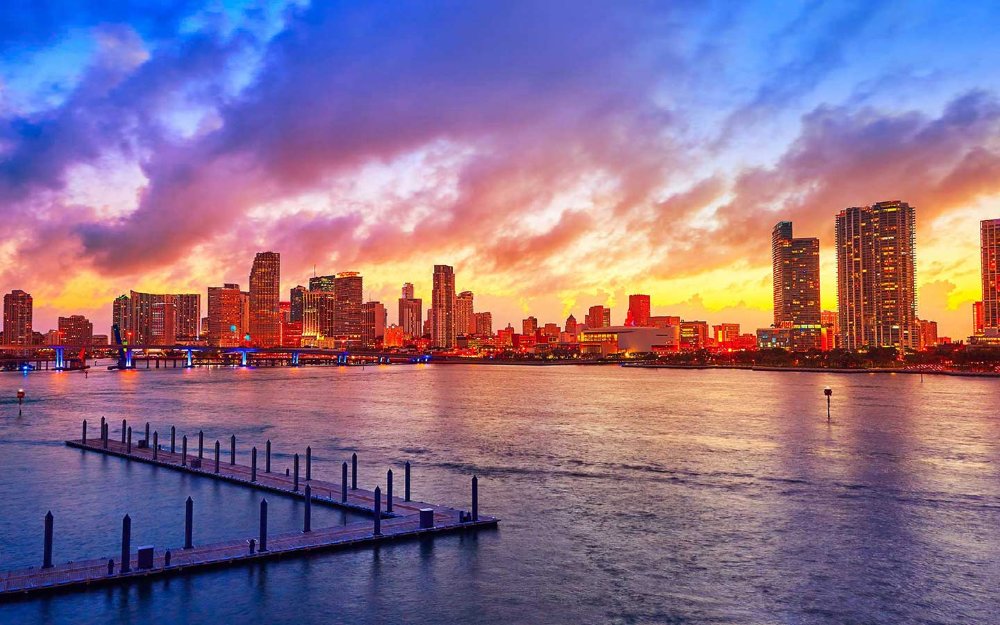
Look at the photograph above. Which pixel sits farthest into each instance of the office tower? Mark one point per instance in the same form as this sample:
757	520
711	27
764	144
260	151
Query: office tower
295	303
465	321
411	314
571	325
407	291
876	282
928	334
978	320
347	318
529	326
726	334
795	263
323	283
598	317
638	311
374	317
265	282
989	235
75	331
693	335
484	324
443	307
225	315
17	312
158	318
188	317
120	315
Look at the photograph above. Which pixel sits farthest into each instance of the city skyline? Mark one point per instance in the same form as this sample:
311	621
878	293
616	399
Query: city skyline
595	163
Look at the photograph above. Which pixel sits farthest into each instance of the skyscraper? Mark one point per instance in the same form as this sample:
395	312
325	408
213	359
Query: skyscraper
597	317
407	291
465	320
876	281
225	315
188	319
529	326
295	302
17	312
638	311
484	324
322	283
75	331
373	325
443	307
265	281
347	319
795	263
411	315
989	236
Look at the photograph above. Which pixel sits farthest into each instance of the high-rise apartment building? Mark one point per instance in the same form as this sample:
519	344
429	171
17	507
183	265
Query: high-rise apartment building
795	263
529	326
978	319
225	315
465	320
265	282
484	324
443	307
75	331
158	318
638	311
989	235
375	318
17	312
598	317
120	315
295	303
411	315
347	319
407	291
188	320
876	276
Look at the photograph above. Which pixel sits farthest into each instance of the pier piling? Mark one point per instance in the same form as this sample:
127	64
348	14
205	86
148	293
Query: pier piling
84	431
156	445
173	439
126	543
267	457
378	511
406	481
307	520
253	464
123	431
104	434
388	491
128	444
147	432
354	471
262	539
188	523
296	471
201	444
47	547
343	483
475	498
309	455
184	450
216	456
232	449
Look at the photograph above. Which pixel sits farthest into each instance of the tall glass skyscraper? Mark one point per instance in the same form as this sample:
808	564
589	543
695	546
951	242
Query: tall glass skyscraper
265	319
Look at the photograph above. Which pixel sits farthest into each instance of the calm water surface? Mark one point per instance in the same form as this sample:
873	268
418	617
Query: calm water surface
627	496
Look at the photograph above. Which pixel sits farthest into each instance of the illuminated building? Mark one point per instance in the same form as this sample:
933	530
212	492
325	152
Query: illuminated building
188	317
978	320
795	268
158	319
989	234
638	311
225	315
726	334
484	324
411	313
319	310
551	331
295	302
265	279
529	326
443	307
598	317
75	331
348	319
119	314
323	283
17	312
394	337
664	321
505	336
928	334
610	340
876	287
465	320
693	335
571	325
830	322
374	319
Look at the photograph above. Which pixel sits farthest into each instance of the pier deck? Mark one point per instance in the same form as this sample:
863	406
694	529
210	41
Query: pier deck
403	522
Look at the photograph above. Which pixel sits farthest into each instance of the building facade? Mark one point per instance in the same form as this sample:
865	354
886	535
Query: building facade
17	315
374	317
443	307
638	311
348	319
265	282
225	315
795	269
75	331
465	320
989	234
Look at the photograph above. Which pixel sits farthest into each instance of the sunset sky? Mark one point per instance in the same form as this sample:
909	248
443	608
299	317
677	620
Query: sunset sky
558	154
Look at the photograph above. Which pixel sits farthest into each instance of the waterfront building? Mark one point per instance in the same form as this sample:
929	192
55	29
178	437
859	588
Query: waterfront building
394	337
795	272
295	300
726	334
348	318
928	334
411	314
571	326
638	311
610	340
663	321
876	284
484	324
465	320
120	315
17	313
265	280
158	318
443	307
597	317
225	315
374	319
978	319
529	326
323	283
75	331
693	335
989	231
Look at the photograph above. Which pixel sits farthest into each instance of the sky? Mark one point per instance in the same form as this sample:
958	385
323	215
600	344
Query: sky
557	154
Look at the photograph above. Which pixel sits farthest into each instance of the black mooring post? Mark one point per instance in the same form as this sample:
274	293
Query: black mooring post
124	425
253	464
354	471
343	483
103	422
475	498
378	511
128	442
47	548
147	432
104	435
296	473
173	439
126	543
307	521
84	431
188	523
406	481
309	463
156	445
232	449
267	457
216	456
184	450
263	526
388	491
201	444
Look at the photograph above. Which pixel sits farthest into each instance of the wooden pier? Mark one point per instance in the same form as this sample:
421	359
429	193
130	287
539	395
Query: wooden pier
407	519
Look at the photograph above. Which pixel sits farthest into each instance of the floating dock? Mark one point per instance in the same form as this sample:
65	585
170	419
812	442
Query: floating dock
392	518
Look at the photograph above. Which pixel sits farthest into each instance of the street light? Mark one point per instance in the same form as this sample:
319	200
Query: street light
828	392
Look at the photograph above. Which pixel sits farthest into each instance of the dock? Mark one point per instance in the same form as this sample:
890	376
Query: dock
391	518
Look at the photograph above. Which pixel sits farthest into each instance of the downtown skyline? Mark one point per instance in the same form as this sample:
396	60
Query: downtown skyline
594	164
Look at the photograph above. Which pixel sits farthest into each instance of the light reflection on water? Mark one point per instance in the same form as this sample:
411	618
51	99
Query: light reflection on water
626	495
